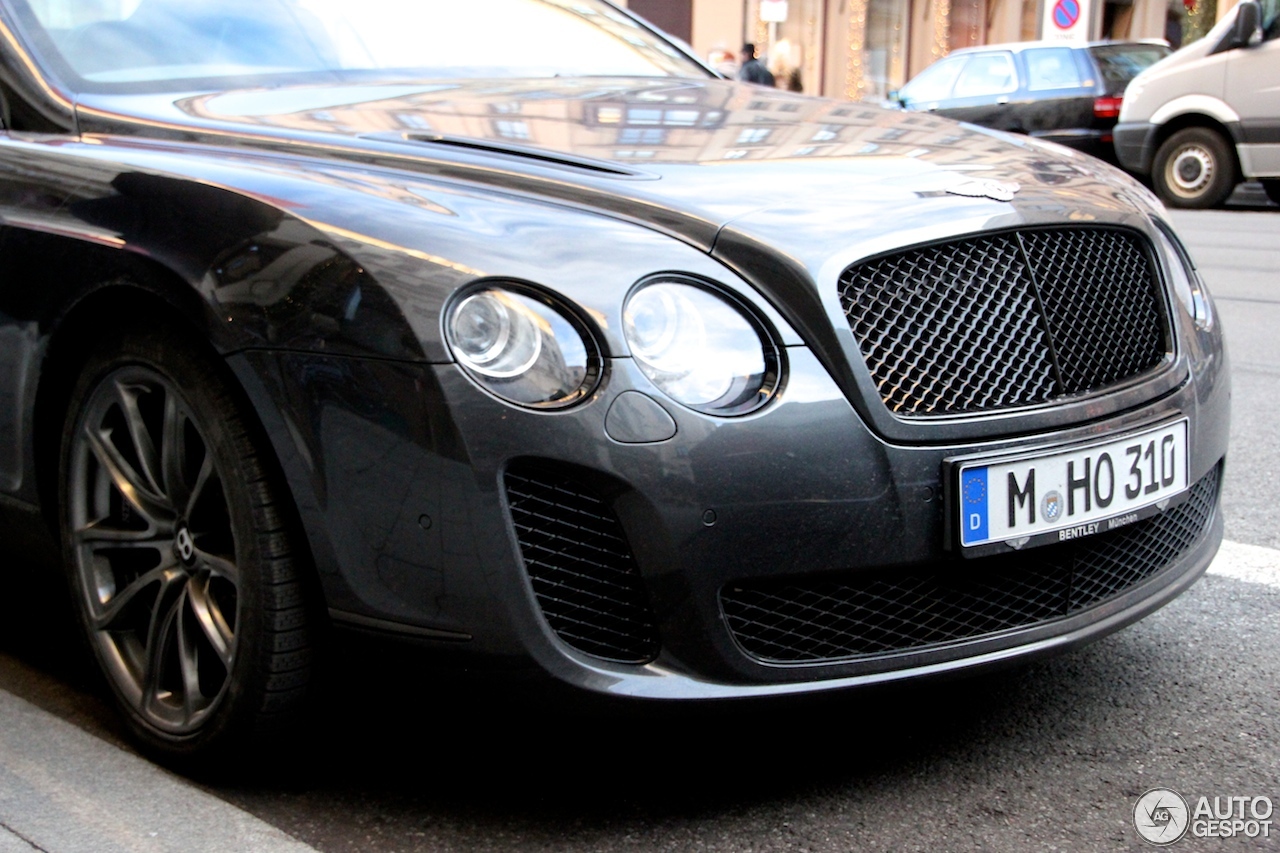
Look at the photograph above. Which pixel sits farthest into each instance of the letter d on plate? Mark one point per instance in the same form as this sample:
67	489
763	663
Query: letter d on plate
973	486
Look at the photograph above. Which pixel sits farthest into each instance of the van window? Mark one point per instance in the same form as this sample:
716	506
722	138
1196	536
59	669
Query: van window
1270	18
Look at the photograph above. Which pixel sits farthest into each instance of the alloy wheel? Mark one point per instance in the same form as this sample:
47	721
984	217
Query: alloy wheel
154	549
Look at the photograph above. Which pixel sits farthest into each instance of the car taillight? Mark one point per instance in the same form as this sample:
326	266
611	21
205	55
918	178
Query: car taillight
1107	107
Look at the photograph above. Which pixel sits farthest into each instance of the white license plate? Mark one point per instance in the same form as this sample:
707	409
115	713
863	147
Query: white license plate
1058	495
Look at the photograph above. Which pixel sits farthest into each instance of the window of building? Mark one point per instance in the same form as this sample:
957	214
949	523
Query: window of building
511	129
642	136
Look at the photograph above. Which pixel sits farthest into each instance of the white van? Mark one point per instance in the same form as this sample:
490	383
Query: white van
1205	118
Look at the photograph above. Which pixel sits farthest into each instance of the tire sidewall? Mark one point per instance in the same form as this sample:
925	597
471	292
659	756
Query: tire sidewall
1220	185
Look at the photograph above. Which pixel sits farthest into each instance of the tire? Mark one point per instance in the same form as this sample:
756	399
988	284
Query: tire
1272	188
180	555
1194	168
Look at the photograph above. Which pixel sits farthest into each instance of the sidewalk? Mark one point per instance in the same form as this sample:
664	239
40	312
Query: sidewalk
63	790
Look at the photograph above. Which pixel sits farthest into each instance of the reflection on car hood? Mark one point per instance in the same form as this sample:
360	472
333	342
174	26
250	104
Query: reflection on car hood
686	155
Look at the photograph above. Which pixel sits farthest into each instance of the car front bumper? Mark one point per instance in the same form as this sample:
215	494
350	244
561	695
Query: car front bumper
403	479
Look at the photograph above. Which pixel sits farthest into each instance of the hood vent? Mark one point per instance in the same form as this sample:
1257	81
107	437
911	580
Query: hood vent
544	156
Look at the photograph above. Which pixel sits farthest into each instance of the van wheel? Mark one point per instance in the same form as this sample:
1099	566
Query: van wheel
1194	168
1272	188
180	554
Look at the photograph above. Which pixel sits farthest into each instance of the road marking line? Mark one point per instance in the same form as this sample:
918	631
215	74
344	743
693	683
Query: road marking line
1248	563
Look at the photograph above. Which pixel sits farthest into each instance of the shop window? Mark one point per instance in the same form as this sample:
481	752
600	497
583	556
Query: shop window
884	54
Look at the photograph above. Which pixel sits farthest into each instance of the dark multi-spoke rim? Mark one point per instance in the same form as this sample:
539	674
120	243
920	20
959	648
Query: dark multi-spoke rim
154	549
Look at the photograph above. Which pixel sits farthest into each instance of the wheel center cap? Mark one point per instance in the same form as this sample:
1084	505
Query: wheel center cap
1189	169
185	544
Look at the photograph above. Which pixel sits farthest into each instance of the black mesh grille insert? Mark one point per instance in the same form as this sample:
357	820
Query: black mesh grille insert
1007	319
870	614
580	565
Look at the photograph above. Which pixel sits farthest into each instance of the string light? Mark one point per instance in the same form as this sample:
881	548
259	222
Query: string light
855	85
941	28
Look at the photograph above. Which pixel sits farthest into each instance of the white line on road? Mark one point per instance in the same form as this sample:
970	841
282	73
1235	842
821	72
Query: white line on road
1248	563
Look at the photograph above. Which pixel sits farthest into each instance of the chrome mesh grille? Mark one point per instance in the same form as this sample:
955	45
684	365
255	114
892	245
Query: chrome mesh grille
872	614
1006	320
580	566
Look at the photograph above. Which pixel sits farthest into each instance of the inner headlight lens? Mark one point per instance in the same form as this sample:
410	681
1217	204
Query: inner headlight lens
521	348
699	348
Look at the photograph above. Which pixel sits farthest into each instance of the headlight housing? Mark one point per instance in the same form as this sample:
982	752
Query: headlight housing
521	346
1187	282
700	347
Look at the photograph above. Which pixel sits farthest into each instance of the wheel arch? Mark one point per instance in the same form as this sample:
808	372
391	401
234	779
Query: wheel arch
1201	120
148	297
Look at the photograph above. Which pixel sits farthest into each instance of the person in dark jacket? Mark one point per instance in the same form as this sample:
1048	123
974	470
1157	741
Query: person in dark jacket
752	69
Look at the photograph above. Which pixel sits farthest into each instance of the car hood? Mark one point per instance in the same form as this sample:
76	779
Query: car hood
686	156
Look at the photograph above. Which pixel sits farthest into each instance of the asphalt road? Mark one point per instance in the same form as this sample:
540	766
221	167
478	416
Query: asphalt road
1051	756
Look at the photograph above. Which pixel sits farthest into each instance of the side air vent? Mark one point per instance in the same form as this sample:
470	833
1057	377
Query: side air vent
580	566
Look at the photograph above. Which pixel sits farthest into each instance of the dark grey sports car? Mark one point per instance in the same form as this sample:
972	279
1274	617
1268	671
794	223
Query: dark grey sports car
507	328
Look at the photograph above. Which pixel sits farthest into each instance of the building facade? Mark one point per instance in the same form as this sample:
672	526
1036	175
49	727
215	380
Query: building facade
863	49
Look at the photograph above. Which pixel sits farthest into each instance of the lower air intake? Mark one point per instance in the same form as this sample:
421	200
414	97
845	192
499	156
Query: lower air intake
580	565
871	614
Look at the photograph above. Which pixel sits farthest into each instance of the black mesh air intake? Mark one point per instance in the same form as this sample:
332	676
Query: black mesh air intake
881	613
580	565
1007	320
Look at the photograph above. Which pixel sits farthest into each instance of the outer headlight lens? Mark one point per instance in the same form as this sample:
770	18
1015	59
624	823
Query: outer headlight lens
1187	282
699	348
521	348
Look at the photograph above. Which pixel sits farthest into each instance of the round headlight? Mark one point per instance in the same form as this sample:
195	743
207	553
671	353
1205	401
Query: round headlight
521	348
699	348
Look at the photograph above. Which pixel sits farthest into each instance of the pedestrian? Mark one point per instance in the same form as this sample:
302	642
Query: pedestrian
752	70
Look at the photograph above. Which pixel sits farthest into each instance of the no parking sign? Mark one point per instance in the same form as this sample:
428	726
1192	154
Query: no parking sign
1067	20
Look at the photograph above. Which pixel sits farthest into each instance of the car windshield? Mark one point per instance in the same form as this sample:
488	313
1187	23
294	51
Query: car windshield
131	42
1120	63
